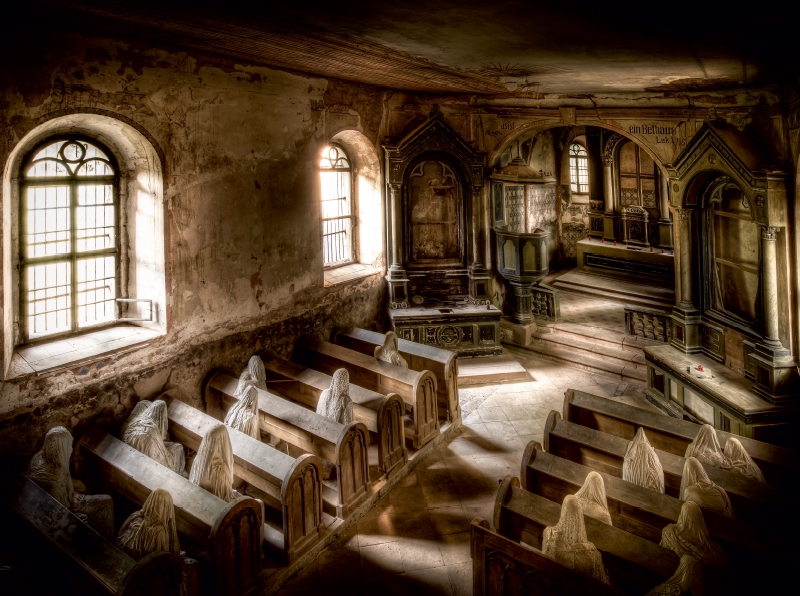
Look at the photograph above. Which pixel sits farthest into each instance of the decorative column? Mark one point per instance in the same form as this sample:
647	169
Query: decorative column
478	276
664	223
609	200
770	281
396	276
685	230
685	317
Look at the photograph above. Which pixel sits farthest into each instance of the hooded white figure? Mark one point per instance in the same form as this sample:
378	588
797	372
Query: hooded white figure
212	468
243	415
592	497
696	487
137	411
689	536
705	448
641	464
388	352
689	575
49	468
151	529
740	461
254	375
335	403
148	433
566	542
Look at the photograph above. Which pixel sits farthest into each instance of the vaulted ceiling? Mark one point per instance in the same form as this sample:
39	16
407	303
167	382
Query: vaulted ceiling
469	46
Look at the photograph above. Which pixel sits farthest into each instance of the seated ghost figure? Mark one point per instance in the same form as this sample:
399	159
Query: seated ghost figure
688	576
740	461
151	529
696	487
335	403
243	415
566	542
388	352
689	536
592	497
705	448
148	433
137	411
641	464
212	468
255	374
49	468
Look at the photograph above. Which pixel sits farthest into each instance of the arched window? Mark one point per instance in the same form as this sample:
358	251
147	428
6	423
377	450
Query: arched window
338	213
69	238
578	168
637	179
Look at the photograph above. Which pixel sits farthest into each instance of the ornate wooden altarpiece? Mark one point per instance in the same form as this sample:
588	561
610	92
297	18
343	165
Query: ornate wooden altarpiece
438	285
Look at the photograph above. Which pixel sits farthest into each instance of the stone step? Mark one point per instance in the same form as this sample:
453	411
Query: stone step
602	336
615	295
603	351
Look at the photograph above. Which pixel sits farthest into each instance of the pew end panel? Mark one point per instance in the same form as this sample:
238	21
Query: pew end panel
426	409
236	548
392	450
353	468
301	500
157	574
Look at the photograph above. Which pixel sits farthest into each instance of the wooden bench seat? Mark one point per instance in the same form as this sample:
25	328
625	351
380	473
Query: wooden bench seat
45	525
501	567
294	485
634	564
381	414
645	512
780	466
230	533
442	363
417	388
753	501
344	446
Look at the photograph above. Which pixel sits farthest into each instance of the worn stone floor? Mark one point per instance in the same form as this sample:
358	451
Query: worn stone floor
416	539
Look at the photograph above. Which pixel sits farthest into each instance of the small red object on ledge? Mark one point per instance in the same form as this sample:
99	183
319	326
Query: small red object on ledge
651	249
699	368
590	238
603	240
662	251
615	242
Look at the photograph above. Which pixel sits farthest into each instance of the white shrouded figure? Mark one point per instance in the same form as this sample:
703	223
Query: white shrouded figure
151	529
566	542
705	448
335	403
148	432
696	487
254	375
49	468
137	411
243	415
641	464
740	461
688	576
689	536
388	352
592	497
212	468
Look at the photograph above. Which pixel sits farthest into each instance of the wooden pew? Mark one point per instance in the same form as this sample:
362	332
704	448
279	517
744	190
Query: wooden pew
753	501
634	564
501	567
294	485
780	466
230	533
381	414
442	363
345	446
418	389
41	526
645	512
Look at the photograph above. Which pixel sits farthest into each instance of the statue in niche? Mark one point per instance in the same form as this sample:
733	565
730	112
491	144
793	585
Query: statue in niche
641	464
688	576
254	375
151	529
433	202
689	536
149	433
705	447
566	542
592	497
49	468
212	468
696	487
388	352
740	461
335	403
243	415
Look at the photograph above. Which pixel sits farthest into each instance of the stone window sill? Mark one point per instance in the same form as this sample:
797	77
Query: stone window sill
78	349
340	275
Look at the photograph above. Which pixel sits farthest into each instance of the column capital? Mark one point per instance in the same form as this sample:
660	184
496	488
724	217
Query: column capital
769	232
608	161
684	214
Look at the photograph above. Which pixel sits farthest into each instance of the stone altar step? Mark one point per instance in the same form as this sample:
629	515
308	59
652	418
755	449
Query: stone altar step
602	336
618	290
490	369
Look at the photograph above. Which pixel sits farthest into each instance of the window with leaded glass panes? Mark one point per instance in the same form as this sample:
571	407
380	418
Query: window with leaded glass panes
69	239
578	169
338	217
